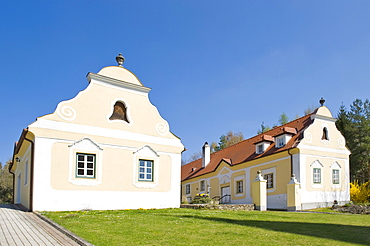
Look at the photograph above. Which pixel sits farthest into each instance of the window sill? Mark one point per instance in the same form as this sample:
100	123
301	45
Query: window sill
145	184
85	181
316	186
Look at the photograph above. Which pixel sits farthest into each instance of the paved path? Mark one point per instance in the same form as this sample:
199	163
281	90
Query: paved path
24	228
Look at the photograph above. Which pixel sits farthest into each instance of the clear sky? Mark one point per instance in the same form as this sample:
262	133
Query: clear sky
213	66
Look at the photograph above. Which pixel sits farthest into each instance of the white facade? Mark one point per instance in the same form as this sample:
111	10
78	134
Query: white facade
107	148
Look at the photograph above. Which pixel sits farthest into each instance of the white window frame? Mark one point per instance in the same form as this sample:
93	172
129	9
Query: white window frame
202	185
260	148
239	187
335	176
316	175
146	170
85	165
336	166
271	170
87	146
187	189
146	153
280	141
269	181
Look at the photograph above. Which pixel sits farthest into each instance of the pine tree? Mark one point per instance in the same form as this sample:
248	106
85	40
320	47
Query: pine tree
264	128
355	127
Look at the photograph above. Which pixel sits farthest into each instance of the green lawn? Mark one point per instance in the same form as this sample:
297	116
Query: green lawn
214	227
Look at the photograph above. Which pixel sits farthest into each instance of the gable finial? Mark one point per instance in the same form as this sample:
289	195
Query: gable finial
322	101
120	60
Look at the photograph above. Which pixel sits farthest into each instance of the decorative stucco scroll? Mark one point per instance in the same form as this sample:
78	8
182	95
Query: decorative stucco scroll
162	128
308	137
66	113
341	143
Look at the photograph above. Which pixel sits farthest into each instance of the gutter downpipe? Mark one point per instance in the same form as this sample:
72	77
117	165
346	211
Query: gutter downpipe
31	173
13	174
291	163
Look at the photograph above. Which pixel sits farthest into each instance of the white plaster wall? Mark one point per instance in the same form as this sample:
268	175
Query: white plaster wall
58	200
48	199
42	190
297	166
314	199
277	201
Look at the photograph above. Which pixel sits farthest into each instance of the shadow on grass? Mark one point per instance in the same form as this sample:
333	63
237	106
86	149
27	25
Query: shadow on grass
344	233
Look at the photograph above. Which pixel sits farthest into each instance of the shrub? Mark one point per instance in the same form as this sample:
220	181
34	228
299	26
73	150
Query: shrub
360	193
202	198
6	183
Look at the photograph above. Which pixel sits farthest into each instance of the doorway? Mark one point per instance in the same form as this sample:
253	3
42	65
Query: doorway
225	195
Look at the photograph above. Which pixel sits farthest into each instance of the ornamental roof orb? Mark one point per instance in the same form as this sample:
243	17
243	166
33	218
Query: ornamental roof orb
119	72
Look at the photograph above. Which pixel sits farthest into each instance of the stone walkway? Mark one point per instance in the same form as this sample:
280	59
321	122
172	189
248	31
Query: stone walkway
25	228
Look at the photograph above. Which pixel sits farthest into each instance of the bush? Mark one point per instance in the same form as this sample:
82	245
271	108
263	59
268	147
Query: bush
6	184
360	193
201	199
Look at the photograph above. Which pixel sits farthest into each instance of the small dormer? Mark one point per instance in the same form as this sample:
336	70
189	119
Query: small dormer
284	136
263	143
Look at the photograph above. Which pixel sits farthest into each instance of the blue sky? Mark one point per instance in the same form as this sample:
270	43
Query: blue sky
213	66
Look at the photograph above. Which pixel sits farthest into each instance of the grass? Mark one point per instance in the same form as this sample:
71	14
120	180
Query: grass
214	227
325	210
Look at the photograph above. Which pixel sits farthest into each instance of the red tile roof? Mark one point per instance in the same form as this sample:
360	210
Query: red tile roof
246	150
264	138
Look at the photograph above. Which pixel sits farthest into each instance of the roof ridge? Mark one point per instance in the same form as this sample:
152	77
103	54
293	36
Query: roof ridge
256	136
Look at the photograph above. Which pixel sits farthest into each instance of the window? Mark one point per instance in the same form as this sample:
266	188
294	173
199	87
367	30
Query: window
259	148
270	180
145	170
119	112
26	173
202	185
85	165
239	186
317	175
187	189
325	134
335	176
280	142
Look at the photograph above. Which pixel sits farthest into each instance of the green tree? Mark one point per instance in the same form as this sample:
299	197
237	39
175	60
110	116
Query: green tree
6	183
263	128
227	140
309	110
355	127
283	119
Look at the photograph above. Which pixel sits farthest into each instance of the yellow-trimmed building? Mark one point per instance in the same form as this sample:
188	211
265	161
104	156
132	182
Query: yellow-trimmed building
309	152
107	148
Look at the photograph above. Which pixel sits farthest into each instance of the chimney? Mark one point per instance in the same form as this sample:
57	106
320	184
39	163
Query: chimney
206	154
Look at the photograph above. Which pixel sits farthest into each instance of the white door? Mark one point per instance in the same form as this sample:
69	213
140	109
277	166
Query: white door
225	194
